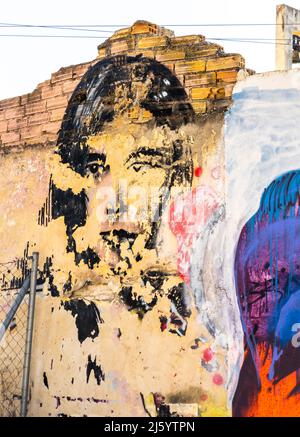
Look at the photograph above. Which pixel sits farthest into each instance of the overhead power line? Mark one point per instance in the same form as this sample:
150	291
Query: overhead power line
42	26
106	31
99	29
245	40
227	24
17	35
77	26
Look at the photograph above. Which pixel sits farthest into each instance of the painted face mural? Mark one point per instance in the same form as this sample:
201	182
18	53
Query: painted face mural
267	271
123	156
120	150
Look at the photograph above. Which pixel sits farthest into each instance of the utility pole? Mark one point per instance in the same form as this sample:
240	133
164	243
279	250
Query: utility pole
287	41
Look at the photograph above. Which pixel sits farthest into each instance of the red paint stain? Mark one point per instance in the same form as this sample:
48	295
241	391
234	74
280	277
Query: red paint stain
163	323
218	379
188	216
203	397
163	326
208	354
198	172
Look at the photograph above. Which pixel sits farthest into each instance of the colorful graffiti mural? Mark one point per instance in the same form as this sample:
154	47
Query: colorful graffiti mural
266	249
267	278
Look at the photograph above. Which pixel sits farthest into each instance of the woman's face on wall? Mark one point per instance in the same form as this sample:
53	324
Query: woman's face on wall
128	172
130	165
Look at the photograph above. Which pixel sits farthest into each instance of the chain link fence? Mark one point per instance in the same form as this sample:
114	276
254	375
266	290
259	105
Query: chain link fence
12	345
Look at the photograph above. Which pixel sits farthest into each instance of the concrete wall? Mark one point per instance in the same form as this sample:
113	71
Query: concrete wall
262	146
141	316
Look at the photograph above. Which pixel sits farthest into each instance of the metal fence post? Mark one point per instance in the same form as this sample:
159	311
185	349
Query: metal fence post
29	334
10	315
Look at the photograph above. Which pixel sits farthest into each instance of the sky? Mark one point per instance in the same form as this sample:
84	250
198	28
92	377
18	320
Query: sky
25	62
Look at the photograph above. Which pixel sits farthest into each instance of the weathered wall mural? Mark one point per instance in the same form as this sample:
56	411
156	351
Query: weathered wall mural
167	234
262	126
122	172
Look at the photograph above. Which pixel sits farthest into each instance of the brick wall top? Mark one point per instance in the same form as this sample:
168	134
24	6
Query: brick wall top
35	118
207	73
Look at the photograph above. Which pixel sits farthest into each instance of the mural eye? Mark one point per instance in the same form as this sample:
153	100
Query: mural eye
95	168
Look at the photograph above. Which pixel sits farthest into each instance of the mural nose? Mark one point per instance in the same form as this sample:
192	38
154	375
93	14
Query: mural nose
116	208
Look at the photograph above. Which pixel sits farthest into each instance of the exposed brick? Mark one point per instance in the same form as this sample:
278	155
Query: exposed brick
52	91
51	128
170	55
207	93
145	53
198	79
118	47
69	86
17	123
44	83
203	50
225	62
186	40
10	137
199	106
139	28
50	137
24	100
227	76
100	46
33	108
38	118
121	33
228	90
180	77
57	114
3	126
80	70
102	52
209	81
167	32
182	67
16	112
57	102
31	132
171	67
35	96
152	41
10	103
62	74
37	140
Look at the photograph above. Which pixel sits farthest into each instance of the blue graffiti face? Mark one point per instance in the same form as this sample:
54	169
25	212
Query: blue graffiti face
267	269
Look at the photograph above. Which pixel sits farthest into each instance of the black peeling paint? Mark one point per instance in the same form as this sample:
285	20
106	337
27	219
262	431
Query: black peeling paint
92	366
136	303
177	296
58	403
87	318
45	379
